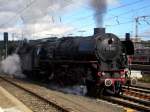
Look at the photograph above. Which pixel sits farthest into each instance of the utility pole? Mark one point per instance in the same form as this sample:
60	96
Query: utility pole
137	19
136	26
6	43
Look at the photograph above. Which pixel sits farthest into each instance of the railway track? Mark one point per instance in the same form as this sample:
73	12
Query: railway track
140	87
141	95
137	89
135	98
140	67
127	100
69	103
127	103
58	108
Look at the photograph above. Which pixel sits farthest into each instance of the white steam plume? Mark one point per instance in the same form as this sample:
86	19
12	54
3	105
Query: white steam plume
12	66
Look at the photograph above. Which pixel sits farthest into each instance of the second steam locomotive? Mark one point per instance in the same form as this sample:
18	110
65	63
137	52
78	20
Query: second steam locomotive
97	61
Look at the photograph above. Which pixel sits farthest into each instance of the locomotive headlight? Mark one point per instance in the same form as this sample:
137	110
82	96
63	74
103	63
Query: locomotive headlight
110	41
133	81
122	76
103	73
108	82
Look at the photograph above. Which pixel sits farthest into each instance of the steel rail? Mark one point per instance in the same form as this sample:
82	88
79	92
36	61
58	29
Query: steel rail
126	103
136	89
52	103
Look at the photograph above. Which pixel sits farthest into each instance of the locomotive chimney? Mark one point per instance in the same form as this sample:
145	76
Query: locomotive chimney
99	31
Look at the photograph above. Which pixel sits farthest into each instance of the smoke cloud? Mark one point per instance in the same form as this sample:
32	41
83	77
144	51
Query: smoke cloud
12	66
99	7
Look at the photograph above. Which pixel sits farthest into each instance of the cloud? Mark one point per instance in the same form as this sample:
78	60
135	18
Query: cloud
113	2
11	29
34	16
146	32
12	5
7	16
57	30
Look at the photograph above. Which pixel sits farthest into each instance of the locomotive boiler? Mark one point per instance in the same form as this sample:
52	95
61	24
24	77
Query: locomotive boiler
97	61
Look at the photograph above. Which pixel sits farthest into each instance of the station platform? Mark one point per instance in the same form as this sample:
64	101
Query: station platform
8	103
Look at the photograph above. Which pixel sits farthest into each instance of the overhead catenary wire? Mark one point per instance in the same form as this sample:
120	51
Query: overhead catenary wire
21	11
101	12
128	12
122	14
120	23
119	15
116	16
137	23
122	6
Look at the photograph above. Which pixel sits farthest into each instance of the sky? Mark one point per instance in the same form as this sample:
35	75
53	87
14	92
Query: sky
35	19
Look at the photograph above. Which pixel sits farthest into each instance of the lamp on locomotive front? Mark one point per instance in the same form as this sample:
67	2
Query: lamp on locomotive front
110	41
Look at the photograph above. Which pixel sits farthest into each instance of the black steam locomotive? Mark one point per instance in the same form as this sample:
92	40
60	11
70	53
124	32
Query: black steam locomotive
97	61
